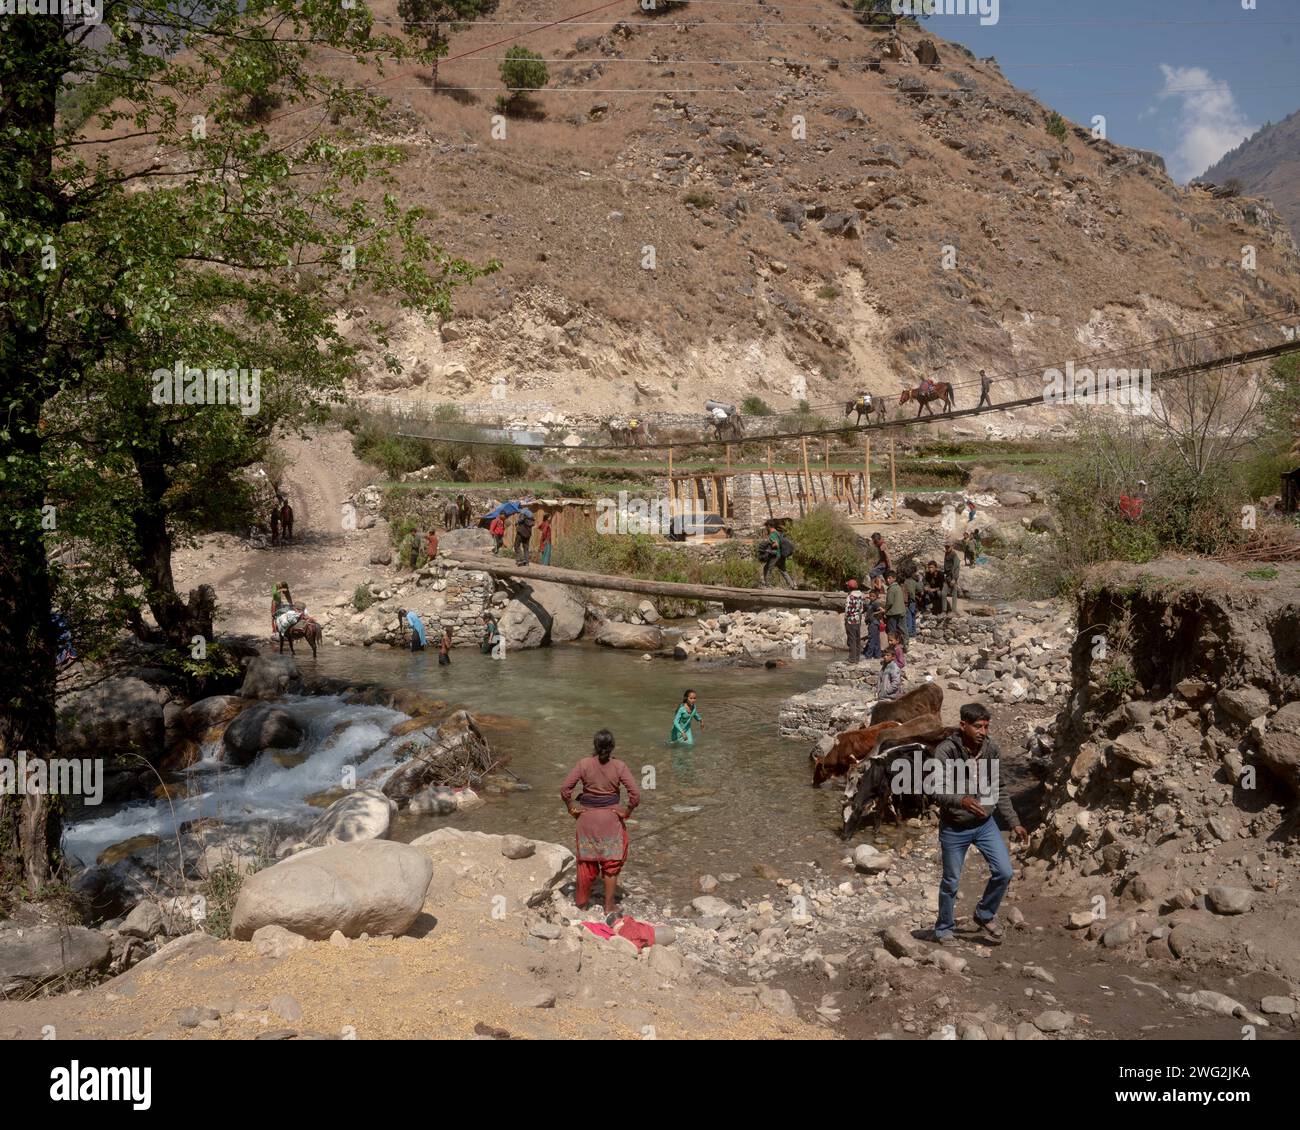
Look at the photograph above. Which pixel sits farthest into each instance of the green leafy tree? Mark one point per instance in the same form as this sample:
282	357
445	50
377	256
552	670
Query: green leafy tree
427	18
880	13
522	70
179	232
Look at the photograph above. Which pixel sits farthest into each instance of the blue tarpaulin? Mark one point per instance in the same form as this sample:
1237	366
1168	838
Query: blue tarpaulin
505	510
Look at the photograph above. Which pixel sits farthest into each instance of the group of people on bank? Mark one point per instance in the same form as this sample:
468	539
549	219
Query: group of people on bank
889	603
524	528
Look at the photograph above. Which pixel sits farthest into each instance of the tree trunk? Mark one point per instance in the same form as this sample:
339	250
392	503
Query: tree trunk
178	621
29	828
730	597
33	65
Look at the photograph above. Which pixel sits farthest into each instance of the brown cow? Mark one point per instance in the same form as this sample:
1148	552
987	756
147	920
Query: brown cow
924	699
869	787
850	747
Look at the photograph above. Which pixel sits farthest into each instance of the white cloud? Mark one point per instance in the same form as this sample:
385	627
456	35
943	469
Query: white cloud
1209	121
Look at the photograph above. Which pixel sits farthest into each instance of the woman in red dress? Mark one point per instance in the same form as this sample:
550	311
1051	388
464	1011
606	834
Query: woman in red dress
601	832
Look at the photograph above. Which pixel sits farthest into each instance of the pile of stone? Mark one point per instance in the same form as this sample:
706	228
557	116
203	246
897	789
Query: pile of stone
441	596
771	633
844	700
1009	656
1015	655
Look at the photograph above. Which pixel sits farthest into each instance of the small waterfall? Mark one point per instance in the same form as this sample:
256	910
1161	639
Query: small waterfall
275	786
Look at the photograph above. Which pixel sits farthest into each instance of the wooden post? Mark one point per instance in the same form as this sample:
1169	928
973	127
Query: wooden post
672	488
769	457
866	469
893	479
803	443
728	457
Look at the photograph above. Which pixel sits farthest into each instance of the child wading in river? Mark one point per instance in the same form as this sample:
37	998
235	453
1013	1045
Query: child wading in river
686	714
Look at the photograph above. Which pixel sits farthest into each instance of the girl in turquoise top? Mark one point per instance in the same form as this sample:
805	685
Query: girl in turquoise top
686	714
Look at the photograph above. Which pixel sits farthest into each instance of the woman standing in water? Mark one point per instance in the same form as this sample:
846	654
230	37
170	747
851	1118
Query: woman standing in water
601	832
686	714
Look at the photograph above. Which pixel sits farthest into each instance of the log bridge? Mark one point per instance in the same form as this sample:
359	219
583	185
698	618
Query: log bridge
733	599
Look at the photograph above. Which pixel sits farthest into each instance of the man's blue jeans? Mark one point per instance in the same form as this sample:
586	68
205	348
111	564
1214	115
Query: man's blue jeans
911	619
953	843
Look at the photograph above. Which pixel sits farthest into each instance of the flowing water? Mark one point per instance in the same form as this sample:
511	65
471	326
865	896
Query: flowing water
739	797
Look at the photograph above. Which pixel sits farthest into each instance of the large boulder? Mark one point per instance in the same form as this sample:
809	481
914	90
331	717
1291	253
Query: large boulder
271	676
260	727
215	710
1279	745
828	629
37	954
1242	703
361	815
116	716
636	637
436	756
374	887
469	867
542	613
471	539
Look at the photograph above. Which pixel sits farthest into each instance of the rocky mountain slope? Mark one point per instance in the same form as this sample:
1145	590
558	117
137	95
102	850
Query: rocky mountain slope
1267	164
783	202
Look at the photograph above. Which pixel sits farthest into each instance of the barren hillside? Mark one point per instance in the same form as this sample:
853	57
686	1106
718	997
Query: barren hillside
825	211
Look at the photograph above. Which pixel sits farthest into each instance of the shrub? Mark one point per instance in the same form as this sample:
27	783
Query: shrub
828	292
756	406
509	460
220	891
826	549
363	598
699	199
1056	126
522	70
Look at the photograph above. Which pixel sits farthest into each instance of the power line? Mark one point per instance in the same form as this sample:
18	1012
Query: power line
838	92
1038	401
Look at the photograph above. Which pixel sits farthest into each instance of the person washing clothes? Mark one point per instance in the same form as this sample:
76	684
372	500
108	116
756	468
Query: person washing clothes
412	620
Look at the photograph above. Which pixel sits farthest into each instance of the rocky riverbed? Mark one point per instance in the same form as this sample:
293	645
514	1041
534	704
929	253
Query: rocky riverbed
1158	892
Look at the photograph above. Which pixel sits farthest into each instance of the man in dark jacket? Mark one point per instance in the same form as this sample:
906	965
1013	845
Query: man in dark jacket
523	535
895	605
951	575
971	763
932	588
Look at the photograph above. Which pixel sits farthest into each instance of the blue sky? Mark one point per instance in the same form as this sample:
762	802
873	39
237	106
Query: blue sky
1186	78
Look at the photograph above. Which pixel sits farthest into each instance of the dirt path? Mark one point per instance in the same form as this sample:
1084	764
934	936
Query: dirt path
324	564
466	975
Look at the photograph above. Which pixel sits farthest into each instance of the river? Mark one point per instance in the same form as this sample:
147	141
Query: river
741	796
